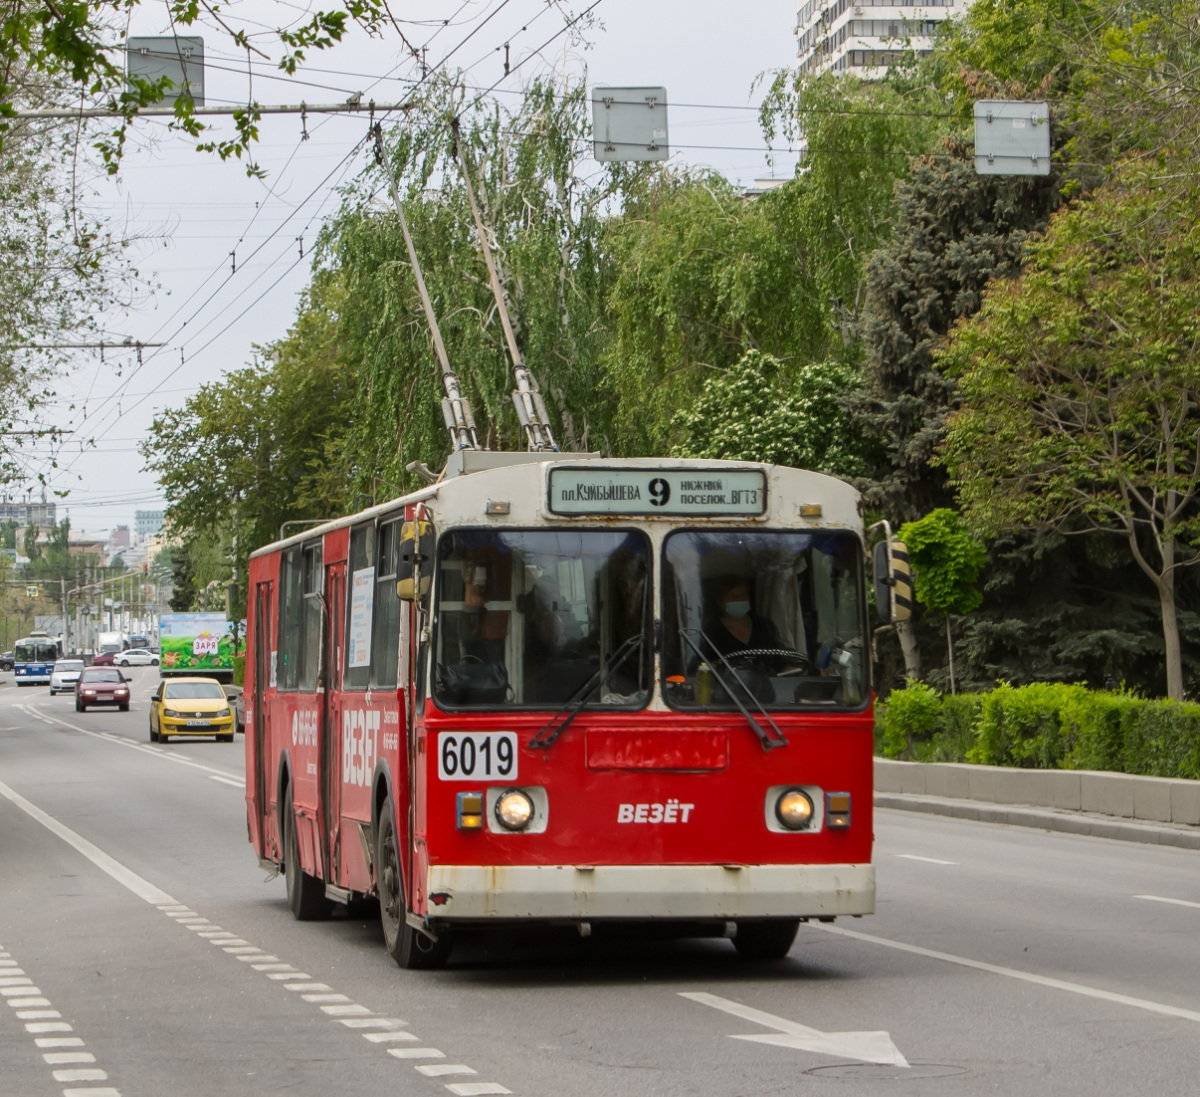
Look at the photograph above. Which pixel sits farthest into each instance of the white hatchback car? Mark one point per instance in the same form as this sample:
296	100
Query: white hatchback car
64	675
136	657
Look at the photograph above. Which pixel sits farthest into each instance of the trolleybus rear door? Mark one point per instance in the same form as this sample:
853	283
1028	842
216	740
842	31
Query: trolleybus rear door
329	718
258	717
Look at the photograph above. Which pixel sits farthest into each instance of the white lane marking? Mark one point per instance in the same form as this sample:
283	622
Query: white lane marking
1023	976
58	1041
374	1022
227	780
349	1013
61	1058
142	888
37	1014
927	860
867	1047
156	752
259	960
475	1089
15	980
83	1074
1173	902
269	967
334	997
389	1037
28	1003
23	985
441	1070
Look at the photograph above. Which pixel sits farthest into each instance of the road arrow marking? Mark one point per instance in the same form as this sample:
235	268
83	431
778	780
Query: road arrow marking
867	1047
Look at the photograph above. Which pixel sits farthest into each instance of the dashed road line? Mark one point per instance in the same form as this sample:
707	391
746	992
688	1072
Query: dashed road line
927	860
68	1065
1173	902
144	748
337	1007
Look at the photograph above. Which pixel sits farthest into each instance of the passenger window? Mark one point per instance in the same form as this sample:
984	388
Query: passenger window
360	608
385	639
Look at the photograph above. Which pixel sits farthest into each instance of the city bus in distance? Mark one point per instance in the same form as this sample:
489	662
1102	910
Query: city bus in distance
569	690
34	658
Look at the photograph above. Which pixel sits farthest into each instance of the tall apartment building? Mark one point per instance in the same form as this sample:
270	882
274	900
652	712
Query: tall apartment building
865	37
148	521
41	514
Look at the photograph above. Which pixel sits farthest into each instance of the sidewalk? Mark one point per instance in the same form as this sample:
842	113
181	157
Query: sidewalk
1180	835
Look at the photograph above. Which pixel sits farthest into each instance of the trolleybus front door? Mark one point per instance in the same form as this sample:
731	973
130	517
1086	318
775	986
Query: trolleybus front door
258	717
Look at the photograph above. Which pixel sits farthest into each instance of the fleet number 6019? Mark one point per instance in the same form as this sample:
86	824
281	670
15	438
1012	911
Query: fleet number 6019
477	756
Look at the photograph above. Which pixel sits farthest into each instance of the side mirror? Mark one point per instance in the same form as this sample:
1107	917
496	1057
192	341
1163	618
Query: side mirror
414	571
893	581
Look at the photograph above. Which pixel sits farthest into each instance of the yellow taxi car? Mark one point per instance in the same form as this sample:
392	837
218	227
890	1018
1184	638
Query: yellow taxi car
186	707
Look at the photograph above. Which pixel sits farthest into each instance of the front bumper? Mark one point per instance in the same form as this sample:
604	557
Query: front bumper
215	727
520	892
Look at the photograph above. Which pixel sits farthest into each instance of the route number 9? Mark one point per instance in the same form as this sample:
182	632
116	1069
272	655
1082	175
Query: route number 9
660	492
477	756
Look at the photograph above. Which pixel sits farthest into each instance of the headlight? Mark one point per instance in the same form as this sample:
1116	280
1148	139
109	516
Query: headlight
794	809
514	810
173	714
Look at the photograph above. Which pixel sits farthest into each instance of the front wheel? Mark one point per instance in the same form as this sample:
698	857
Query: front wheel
124	663
405	944
306	894
153	733
123	708
80	707
769	940
225	738
154	662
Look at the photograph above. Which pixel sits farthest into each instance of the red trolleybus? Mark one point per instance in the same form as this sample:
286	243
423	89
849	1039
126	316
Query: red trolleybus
563	689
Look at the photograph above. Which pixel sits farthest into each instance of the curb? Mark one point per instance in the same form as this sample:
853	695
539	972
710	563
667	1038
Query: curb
1181	837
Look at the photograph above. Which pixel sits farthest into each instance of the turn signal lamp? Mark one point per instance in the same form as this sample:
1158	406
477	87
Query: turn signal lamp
514	810
837	810
470	811
794	809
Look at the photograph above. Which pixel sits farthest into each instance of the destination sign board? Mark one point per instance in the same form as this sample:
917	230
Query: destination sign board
702	493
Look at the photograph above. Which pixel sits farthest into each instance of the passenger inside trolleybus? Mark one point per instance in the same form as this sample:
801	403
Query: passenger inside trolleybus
532	619
804	645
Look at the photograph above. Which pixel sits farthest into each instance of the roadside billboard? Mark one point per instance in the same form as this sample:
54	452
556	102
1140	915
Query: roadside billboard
196	643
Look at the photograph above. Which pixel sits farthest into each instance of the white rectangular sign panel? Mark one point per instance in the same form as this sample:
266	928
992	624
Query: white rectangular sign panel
703	493
477	756
362	610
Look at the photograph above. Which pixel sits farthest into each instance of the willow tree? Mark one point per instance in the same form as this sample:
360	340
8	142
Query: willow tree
545	218
1080	385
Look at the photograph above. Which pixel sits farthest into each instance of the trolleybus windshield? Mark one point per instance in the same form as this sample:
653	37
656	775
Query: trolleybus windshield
770	619
527	618
35	651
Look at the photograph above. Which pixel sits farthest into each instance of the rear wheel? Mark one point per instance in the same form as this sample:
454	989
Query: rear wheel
769	940
405	944
306	894
154	662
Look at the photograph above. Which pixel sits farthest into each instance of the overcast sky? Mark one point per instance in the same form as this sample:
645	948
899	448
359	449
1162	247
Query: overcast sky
191	215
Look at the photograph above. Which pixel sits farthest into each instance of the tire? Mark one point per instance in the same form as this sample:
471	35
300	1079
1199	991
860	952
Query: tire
163	737
80	707
768	940
405	944
225	738
123	663
153	733
123	708
154	662
306	894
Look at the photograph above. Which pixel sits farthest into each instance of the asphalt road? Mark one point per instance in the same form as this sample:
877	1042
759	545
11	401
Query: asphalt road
143	953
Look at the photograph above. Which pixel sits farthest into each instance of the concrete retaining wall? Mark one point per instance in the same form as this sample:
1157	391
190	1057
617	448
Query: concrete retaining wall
1154	799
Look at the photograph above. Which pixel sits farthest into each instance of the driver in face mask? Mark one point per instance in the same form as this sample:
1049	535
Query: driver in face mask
737	628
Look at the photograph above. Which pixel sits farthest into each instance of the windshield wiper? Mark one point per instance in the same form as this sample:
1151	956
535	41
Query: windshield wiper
769	742
561	720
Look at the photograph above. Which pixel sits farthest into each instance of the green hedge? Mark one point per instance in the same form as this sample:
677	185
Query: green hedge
1042	726
239	670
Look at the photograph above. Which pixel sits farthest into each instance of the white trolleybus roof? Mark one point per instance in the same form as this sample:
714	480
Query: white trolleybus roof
481	487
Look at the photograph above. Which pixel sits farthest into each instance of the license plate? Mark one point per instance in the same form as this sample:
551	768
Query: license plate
198	723
477	756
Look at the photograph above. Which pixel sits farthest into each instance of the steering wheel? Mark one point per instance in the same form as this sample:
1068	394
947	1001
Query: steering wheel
800	660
